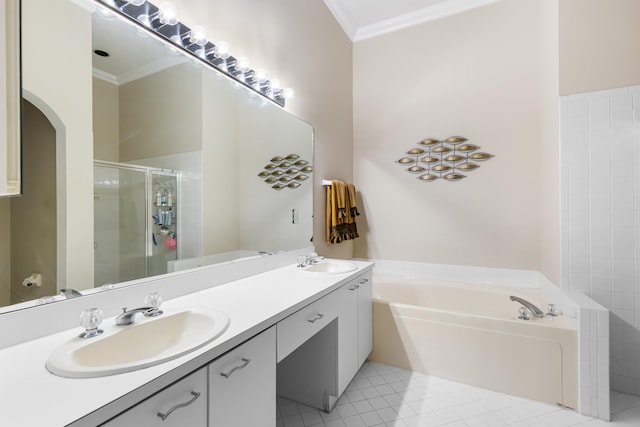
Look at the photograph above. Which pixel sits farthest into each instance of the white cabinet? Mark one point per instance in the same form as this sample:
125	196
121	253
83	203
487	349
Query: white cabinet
294	330
242	384
346	302
355	334
306	344
182	404
365	316
10	93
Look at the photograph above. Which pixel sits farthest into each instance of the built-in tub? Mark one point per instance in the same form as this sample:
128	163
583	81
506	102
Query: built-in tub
471	333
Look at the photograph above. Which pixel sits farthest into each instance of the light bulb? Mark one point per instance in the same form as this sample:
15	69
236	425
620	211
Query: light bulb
176	39
289	93
199	35
168	14
144	20
137	2
222	50
275	85
243	64
260	75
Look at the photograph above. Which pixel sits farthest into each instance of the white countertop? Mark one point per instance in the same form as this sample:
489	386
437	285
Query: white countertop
32	396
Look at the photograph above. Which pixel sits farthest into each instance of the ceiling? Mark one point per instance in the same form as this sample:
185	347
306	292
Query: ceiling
364	19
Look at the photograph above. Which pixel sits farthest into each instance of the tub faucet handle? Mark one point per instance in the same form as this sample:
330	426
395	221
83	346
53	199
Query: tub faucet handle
552	310
524	313
534	310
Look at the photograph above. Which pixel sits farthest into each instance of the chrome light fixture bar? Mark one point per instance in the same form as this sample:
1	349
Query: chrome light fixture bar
163	22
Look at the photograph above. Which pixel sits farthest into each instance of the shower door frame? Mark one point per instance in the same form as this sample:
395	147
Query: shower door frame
148	203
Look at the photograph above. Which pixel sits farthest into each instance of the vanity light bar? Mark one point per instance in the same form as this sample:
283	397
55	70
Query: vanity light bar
164	23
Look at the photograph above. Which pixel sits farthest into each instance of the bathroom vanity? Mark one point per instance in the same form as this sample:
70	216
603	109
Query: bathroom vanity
300	335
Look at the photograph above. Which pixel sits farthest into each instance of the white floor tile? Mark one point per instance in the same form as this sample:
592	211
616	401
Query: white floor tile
311	418
354	421
371	418
346	410
382	396
293	421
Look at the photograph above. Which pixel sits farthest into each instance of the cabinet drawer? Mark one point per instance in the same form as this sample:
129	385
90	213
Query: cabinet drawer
242	384
181	404
302	325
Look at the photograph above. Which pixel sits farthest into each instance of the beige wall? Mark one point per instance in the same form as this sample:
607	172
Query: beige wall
106	121
219	165
65	105
155	114
489	75
33	216
598	45
301	43
5	251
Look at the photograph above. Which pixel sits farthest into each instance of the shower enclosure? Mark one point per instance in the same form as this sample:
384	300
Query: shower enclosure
135	221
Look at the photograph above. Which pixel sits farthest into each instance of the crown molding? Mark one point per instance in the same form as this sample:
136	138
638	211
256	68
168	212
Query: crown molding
438	11
343	17
110	78
140	72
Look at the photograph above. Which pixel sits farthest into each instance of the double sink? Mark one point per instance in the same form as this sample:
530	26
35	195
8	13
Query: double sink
154	340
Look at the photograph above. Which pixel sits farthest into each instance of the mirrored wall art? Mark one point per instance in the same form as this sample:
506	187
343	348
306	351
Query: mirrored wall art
443	159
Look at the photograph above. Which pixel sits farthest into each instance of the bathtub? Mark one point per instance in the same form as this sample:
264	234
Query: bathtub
470	333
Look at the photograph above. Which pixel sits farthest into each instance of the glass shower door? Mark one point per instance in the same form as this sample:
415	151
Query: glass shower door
164	209
120	233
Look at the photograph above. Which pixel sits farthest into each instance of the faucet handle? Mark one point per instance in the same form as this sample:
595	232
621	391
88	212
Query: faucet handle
153	300
552	310
90	319
524	313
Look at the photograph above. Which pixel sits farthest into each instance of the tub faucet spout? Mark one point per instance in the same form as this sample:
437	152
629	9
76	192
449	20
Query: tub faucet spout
535	310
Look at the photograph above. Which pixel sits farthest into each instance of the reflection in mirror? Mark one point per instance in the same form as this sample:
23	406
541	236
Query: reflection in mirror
173	177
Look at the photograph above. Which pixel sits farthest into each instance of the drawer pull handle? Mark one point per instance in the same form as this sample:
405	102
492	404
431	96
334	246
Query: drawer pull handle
165	415
316	317
245	362
363	281
354	287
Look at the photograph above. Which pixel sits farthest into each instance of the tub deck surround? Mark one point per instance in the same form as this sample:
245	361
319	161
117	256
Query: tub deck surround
33	396
470	333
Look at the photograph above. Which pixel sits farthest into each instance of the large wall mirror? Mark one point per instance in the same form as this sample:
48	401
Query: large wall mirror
140	161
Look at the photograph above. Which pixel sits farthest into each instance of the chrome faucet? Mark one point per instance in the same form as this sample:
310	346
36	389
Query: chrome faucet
70	293
127	316
535	310
312	258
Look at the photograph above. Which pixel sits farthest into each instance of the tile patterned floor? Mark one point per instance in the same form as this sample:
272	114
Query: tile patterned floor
381	395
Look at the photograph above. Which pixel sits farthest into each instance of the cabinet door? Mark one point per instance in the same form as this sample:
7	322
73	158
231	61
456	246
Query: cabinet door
10	93
181	404
242	384
365	316
346	301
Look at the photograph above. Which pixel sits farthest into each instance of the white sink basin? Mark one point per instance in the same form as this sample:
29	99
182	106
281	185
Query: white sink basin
330	266
148	342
